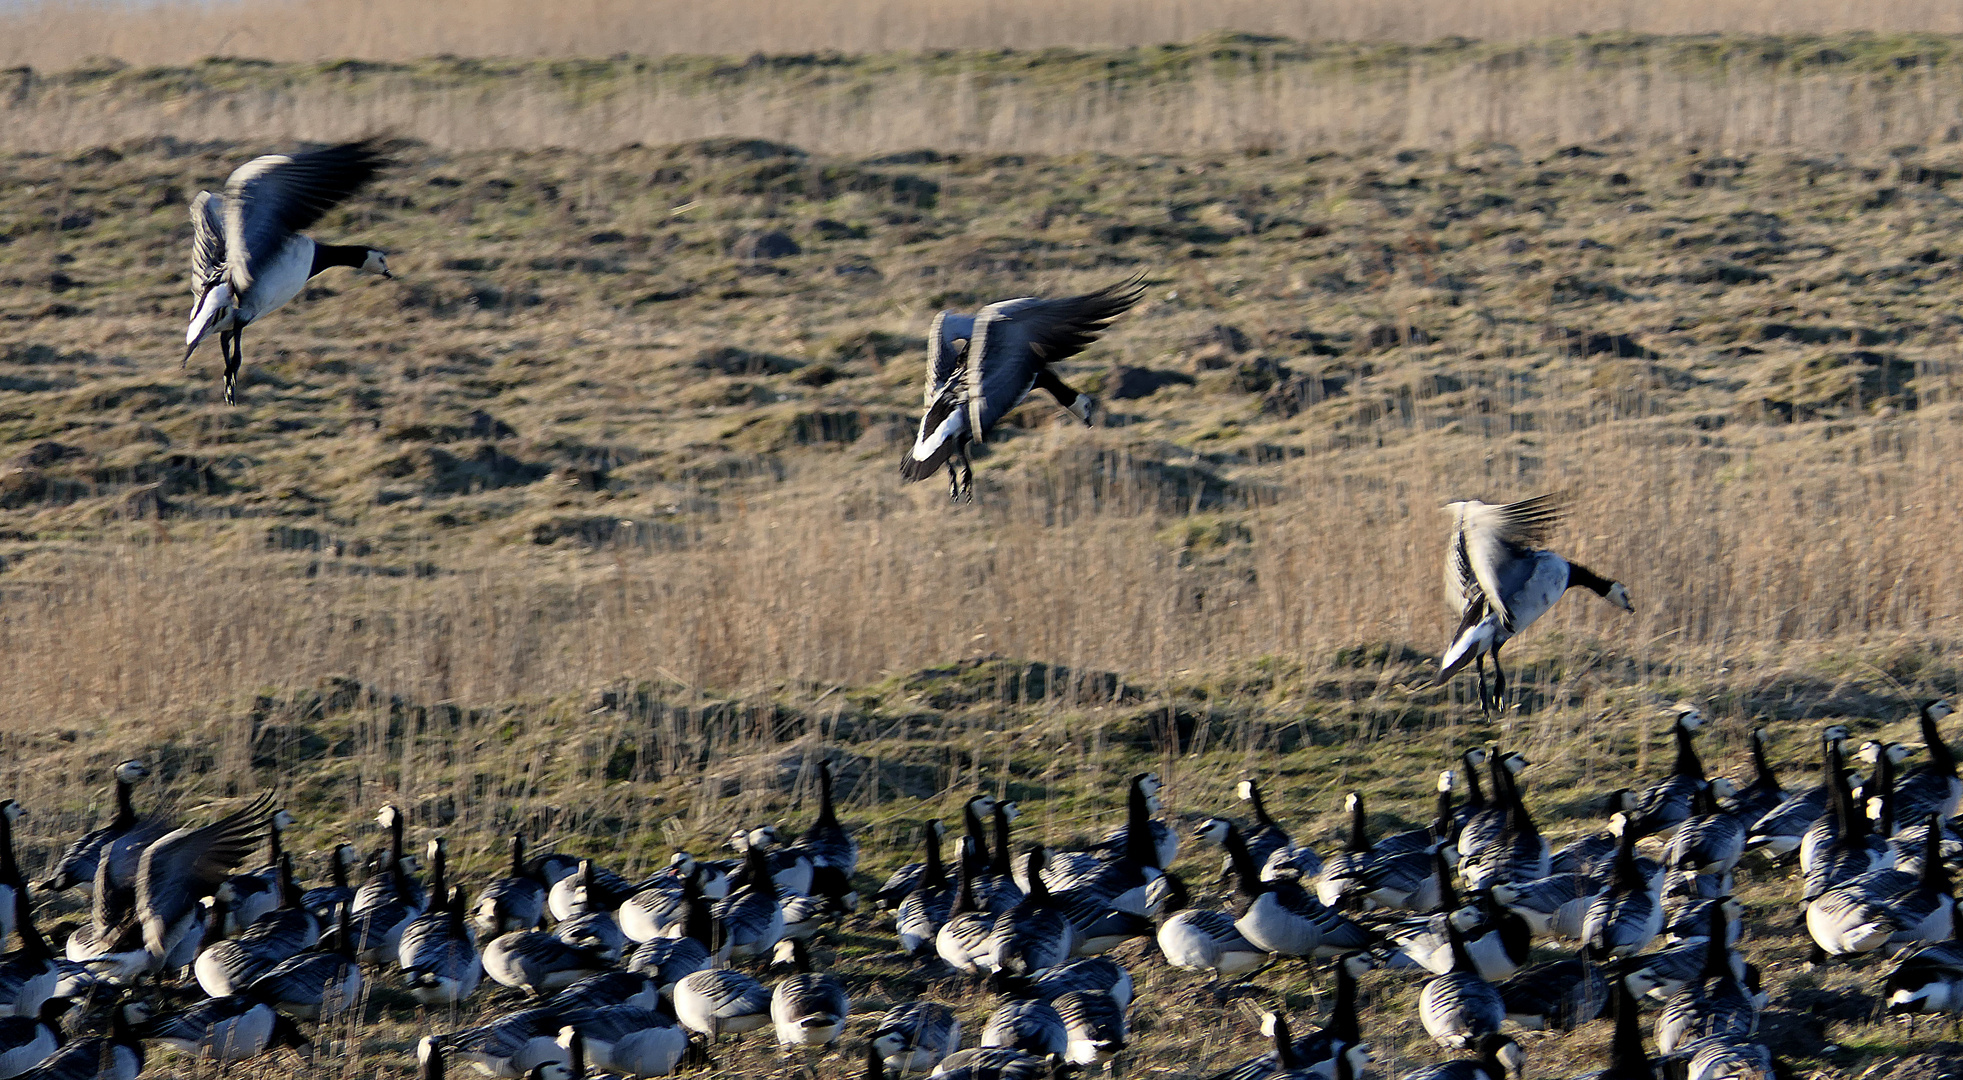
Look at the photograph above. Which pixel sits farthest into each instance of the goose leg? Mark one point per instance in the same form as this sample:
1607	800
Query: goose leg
964	481
1499	682
229	345
1485	701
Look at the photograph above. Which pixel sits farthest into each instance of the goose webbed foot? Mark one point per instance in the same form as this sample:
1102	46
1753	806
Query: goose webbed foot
960	479
234	354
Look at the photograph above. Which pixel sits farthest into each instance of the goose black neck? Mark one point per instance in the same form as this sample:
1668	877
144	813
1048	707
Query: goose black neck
125	808
32	945
875	1062
344	924
1139	848
1762	768
459	909
934	873
1359	827
1626	1055
1941	760
1884	785
757	867
517	854
9	867
698	922
964	883
1448	894
1475	796
1251	884
1039	890
827	815
273	839
326	255
1935	873
1286	1055
337	870
1461	959
1717	951
433	1063
1839	793
1688	763
1000	861
1260	808
1342	1019
576	1053
438	872
221	913
1627	874
978	834
1580	576
1441	824
395	843
289	890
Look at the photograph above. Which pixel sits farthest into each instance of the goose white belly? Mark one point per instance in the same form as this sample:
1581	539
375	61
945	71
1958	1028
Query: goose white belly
279	280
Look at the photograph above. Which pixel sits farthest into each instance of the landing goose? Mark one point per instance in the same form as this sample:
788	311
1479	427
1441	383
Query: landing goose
513	902
628	1039
1711	840
1716	1003
914	1037
1500	581
316	985
1500	1058
121	841
440	964
1095	1026
1779	831
1934	787
1666	804
183	867
1032	936
1283	917
224	1029
1031	1025
248	256
926	906
750	916
29	974
722	1001
115	1056
1625	917
807	1008
11	882
1458	1009
1559	995
27	1041
538	963
322	900
980	367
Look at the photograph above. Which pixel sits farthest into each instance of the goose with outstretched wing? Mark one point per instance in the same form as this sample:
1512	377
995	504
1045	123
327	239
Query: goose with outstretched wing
248	256
981	366
1500	579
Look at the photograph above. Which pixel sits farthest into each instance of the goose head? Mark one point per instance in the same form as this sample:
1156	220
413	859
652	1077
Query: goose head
1619	822
1244	791
937	831
280	821
1689	717
1514	761
1357	964
1834	733
1506	1052
1618	595
437	848
1445	779
1938	709
982	805
129	772
1475	757
1212	830
12	811
1723	788
1620	801
376	263
1350	802
682	863
389	817
1009	810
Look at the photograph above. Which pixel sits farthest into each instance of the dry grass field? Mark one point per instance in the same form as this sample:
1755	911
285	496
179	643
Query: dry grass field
589	522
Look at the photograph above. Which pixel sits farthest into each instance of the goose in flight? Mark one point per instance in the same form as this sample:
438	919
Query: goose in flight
1500	579
981	366
248	256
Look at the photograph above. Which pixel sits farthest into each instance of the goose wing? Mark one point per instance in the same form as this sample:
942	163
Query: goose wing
1486	538
947	346
188	864
1014	338
270	198
207	241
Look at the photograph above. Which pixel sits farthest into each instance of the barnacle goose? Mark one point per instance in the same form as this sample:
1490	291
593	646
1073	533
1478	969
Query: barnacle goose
722	1001
181	868
901	883
435	923
1666	804
248	255
322	900
667	960
628	1039
979	367
1481	829
1459	1008
1501	581
1853	848
1283	917
1095	1026
591	888
807	1008
1031	1025
1085	973
914	1037
1625	917
1779	831
441	964
1715	1003
226	965
12	884
1593	853
1553	906
225	1029
115	1056
1201	939
1032	936
963	936
1518	853
926	907
29	974
1887	906
1497	940
1559	995
1711	840
751	918
826	842
513	902
1933	787
510	1046
316	985
1764	793
539	963
120	842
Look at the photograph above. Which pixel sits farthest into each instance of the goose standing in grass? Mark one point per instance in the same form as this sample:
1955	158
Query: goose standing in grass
1779	831
668	960
539	963
121	841
1500	581
1625	917
1716	1003
751	918
628	1039
392	899
926	907
981	366
807	1008
1481	829
510	1046
1667	803
1764	793
224	1029
1029	1024
902	882
440	963
827	843
1283	917
1933	787
1852	848
513	902
1553	906
1459	1008
1711	840
248	255
914	1037
1032	936
319	984
1202	939
588	889
1518	853
963	937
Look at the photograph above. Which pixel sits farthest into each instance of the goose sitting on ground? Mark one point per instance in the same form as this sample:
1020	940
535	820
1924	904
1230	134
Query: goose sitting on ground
1779	831
1763	794
224	1029
1553	906
513	902
439	959
539	963
1933	787
29	974
1625	917
1499	581
981	366
322	900
994	1063
121	841
1458	1008
115	1056
1286	919
1887	906
668	960
722	1001
248	256
1711	840
914	1037
807	1007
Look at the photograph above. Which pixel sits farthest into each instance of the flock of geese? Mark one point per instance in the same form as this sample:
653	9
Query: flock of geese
612	976
647	977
